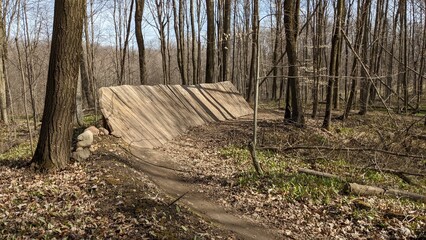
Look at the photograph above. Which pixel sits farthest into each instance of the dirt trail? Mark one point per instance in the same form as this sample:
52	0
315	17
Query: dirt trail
163	173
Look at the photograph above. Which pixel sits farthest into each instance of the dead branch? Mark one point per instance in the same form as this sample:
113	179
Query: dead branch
350	149
365	190
404	194
320	174
177	199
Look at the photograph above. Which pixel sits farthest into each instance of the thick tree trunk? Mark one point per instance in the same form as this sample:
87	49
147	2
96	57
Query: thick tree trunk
140	41
54	144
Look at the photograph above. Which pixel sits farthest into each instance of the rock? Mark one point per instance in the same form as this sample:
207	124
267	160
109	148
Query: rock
93	148
85	139
103	131
93	129
81	155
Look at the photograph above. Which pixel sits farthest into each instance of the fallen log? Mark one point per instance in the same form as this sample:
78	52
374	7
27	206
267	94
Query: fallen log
404	194
366	190
349	150
363	190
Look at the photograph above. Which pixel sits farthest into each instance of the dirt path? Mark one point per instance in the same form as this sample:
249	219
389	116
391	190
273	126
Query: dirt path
165	175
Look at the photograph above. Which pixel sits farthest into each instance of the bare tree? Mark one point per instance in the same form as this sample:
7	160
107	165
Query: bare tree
291	22
178	10
254	45
210	42
3	98
336	43
226	39
139	38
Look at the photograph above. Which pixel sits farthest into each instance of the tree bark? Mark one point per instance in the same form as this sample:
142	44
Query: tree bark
365	82
210	42
140	41
291	22
336	43
54	144
3	96
178	20
254	52
226	39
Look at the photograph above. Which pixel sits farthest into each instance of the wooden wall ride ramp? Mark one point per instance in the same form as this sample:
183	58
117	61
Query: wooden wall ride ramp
149	116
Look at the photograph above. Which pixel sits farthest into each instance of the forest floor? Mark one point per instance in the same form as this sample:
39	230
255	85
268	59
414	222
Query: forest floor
105	197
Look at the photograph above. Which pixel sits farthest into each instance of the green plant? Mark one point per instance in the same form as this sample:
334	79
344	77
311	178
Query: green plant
22	151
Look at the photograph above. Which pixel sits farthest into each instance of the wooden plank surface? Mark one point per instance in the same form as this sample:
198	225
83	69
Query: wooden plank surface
149	116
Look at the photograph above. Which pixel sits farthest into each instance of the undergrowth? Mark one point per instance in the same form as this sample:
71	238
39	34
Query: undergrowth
281	176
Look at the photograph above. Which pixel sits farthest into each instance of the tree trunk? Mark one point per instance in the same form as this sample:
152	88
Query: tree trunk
140	41
178	21
193	41
226	39
365	82
86	84
336	43
3	98
254	52
125	47
291	21
54	144
210	42
277	47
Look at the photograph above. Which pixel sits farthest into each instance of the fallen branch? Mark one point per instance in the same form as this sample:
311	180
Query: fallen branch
350	149
365	190
177	199
319	174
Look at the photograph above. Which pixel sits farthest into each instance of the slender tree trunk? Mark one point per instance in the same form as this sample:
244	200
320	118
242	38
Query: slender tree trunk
365	82
336	43
193	43
180	38
86	84
210	42
226	39
126	44
53	148
422	68
403	77
79	98
140	41
277	47
291	22
254	46
3	98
